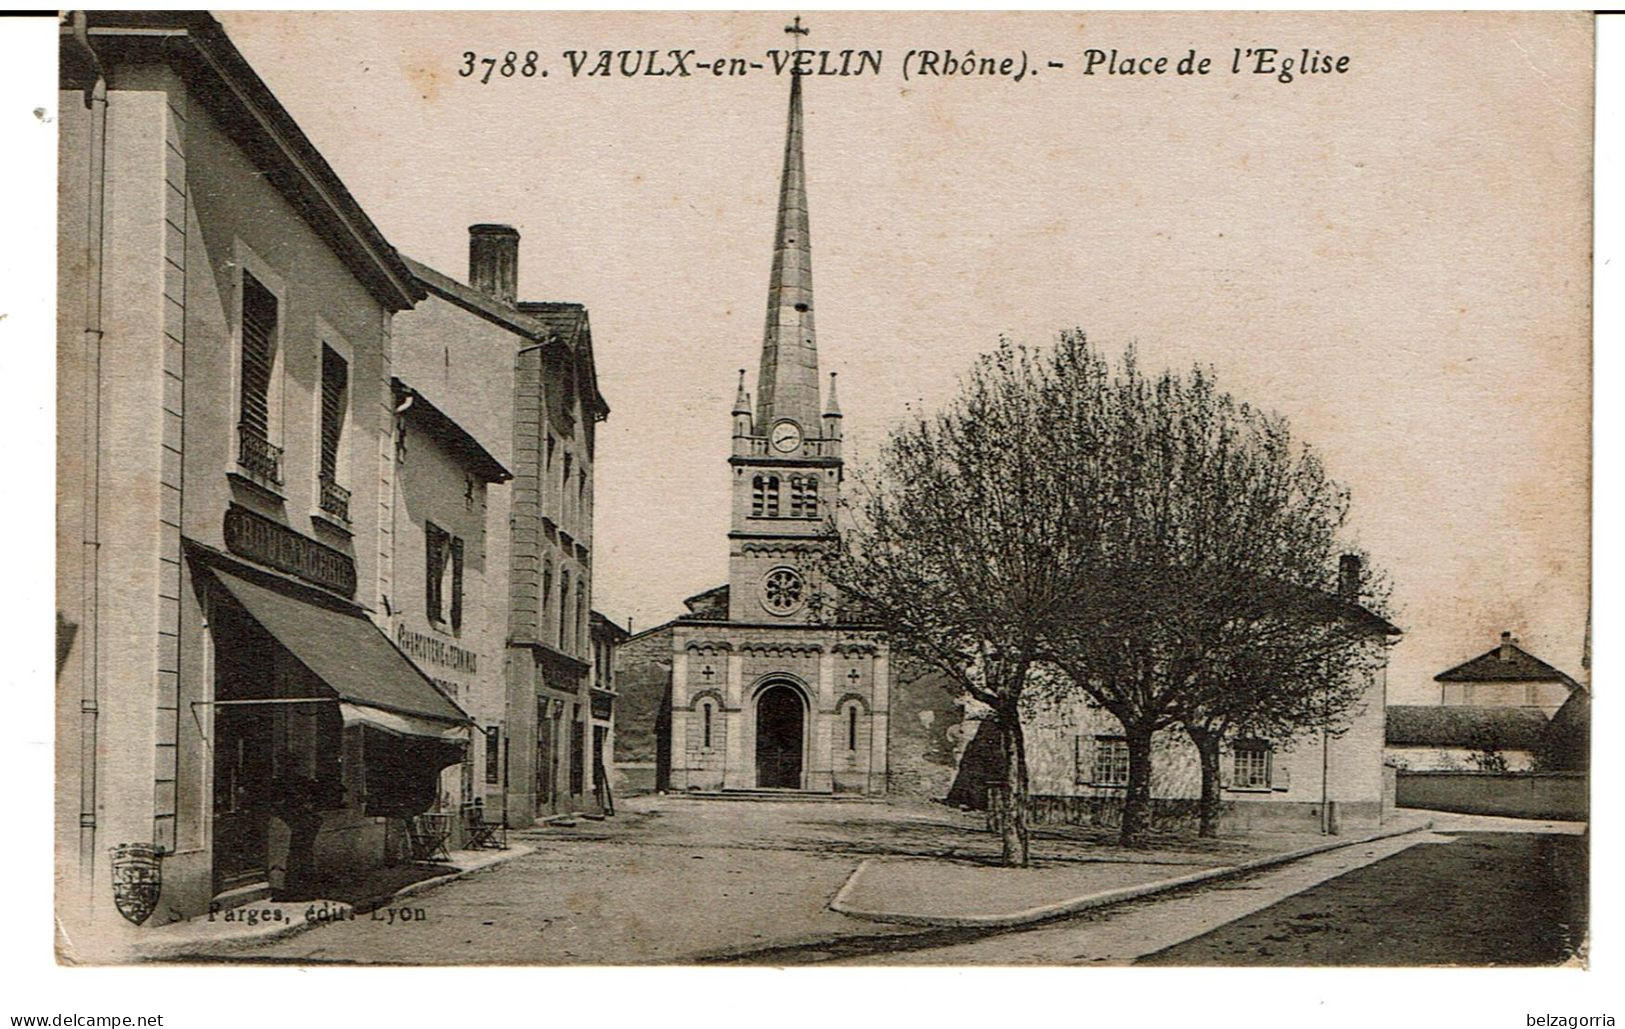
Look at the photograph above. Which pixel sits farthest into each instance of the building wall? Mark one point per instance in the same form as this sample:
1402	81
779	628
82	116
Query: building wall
929	734
1352	760
643	683
1548	696
434	486
1452	759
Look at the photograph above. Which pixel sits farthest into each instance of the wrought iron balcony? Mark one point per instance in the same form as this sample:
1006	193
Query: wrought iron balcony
335	500
259	456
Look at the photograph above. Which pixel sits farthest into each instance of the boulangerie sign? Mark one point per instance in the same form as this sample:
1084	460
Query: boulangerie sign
1178	471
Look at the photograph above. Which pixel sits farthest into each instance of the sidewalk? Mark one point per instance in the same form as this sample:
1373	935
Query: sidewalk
924	892
369	897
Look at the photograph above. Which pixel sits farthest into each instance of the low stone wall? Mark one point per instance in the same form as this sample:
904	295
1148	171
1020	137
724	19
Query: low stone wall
1181	815
1557	795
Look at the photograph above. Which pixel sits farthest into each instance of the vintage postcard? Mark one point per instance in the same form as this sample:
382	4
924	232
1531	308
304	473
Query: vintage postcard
1158	534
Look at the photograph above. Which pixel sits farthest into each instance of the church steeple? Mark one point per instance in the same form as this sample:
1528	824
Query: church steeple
787	383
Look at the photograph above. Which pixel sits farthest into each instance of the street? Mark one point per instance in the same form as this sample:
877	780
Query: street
1475	899
672	880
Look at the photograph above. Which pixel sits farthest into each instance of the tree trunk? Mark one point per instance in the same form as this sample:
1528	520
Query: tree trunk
1207	749
1013	827
1137	802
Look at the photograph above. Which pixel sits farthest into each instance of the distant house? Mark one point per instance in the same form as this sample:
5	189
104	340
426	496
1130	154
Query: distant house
1506	676
1433	738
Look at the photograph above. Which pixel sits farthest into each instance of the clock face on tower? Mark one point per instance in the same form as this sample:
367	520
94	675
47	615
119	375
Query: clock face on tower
786	436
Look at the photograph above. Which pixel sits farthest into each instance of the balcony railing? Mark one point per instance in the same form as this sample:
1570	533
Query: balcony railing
335	500
259	456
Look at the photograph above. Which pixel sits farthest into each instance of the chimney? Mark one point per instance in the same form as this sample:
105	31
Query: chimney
1508	641
493	261
1348	577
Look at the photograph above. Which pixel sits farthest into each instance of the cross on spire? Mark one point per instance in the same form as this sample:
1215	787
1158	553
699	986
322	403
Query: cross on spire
796	29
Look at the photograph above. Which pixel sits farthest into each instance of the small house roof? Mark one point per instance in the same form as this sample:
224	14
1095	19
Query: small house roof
1511	728
1506	662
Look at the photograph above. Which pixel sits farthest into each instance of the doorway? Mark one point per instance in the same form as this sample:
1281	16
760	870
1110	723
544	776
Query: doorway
780	724
243	741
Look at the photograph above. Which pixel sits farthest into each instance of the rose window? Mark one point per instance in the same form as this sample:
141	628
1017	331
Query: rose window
783	591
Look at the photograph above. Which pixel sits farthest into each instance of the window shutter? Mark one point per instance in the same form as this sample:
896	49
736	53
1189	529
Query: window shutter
1227	767
335	386
1083	755
431	571
1280	778
456	584
259	318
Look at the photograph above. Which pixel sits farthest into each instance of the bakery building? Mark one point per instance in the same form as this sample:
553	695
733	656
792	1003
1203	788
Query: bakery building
232	719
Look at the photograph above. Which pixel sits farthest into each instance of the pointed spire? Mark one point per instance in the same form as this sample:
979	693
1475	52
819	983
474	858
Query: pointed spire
741	398
832	407
787	384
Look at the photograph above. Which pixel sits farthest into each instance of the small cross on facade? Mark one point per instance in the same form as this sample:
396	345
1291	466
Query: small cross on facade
708	671
796	29
853	676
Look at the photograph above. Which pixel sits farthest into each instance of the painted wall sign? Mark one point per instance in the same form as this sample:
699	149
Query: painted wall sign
271	543
436	651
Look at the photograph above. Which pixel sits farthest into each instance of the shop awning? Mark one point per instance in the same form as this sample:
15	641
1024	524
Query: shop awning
353	658
401	725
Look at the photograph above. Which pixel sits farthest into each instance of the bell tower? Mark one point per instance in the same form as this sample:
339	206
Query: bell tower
786	461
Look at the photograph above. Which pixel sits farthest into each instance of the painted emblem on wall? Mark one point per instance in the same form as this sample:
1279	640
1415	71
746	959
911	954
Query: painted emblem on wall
137	879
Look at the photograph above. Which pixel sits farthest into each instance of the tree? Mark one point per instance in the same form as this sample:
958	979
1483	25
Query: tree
1201	569
1296	664
957	546
1487	755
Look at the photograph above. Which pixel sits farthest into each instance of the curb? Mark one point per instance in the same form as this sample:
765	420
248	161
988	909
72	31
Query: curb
169	950
1104	897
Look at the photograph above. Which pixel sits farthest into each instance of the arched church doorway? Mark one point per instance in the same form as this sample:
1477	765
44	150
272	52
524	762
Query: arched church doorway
780	722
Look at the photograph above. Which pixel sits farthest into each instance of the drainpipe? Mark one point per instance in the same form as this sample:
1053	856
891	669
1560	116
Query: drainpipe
90	484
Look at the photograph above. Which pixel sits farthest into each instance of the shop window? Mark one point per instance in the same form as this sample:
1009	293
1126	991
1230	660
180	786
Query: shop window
493	755
1251	765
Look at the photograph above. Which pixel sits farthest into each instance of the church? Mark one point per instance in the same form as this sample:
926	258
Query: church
761	685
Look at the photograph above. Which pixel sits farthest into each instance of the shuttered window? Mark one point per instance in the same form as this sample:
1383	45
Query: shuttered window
259	316
436	551
335	394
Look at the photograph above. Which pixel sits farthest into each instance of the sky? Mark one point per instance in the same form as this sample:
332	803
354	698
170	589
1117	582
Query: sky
1395	258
